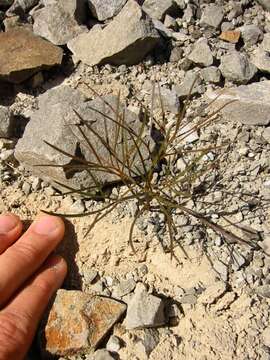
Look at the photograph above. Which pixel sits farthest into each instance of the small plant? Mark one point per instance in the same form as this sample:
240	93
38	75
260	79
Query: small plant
148	173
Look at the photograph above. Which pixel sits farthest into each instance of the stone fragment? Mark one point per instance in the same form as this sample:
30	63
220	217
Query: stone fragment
201	53
212	293
212	16
56	111
266	337
263	290
250	106
105	9
266	134
266	42
157	9
265	4
231	36
6	122
192	84
20	7
237	68
123	288
78	322
63	25
176	54
23	54
101	354
261	60
251	34
211	74
189	299
112	44
114	344
170	100
144	311
148	343
221	269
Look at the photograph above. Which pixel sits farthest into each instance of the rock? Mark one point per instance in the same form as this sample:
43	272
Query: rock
56	111
211	74
201	53
251	106
170	101
212	16
266	337
78	322
112	44
77	207
157	9
230	36
63	25
265	4
144	310
190	85
237	68
261	60
212	293
101	354
23	54
20	7
189	299
123	288
251	34
266	42
105	9
263	290
6	122
221	269
148	343
114	344
176	54
266	134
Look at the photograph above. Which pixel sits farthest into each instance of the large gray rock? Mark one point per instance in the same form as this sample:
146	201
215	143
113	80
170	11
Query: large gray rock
261	60
55	121
157	9
144	310
212	16
6	122
22	54
251	106
236	67
251	34
126	40
105	9
201	53
63	25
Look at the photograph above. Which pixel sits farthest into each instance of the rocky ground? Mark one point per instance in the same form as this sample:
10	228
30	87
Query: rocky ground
210	301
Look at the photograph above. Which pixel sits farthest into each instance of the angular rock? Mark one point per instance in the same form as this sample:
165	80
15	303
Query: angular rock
266	42
56	111
230	36
101	354
190	85
20	7
211	74
212	16
114	344
251	34
22	54
170	100
201	53
236	67
6	122
265	4
63	25
212	293
266	134
263	290
157	9
112	44
105	9
78	322
144	311
124	287
251	106
261	60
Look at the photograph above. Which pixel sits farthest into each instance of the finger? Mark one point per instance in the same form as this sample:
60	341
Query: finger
26	255
10	230
19	320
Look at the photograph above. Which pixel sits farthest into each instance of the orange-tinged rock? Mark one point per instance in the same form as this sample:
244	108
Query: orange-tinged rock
230	36
22	54
78	321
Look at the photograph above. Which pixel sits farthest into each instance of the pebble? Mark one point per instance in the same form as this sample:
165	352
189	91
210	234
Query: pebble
212	293
114	344
123	288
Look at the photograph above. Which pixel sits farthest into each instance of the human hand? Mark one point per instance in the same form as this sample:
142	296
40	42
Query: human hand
29	276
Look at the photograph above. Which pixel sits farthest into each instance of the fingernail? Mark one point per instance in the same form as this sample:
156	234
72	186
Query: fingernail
55	262
7	223
45	225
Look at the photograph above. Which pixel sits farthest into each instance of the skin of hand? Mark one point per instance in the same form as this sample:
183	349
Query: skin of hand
29	276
